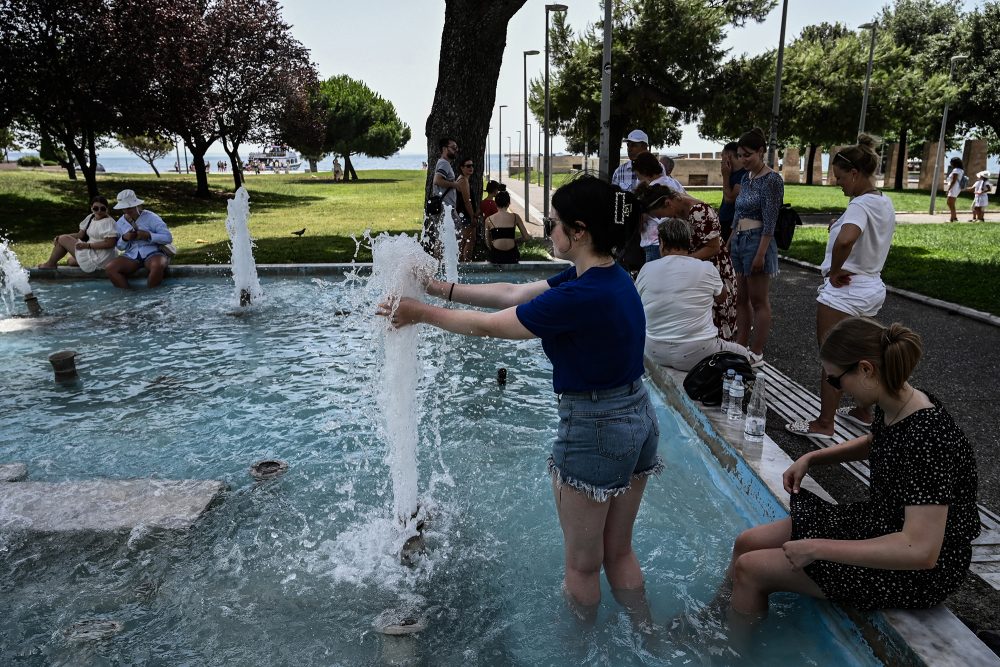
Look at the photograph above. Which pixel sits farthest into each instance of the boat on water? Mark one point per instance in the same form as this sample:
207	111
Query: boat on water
274	158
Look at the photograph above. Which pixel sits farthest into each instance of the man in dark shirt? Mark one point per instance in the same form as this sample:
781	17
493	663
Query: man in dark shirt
732	174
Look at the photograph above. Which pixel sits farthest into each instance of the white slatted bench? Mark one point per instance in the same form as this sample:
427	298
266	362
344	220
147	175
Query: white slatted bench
791	401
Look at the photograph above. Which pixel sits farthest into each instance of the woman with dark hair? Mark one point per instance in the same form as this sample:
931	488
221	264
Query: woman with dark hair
591	323
954	187
465	212
649	171
752	246
501	246
906	547
90	248
852	268
706	244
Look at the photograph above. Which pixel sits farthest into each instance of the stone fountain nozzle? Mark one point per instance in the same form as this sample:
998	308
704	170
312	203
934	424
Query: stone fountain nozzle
64	364
245	299
34	309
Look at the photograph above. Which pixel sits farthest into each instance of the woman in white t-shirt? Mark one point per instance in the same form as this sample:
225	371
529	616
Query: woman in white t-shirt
92	246
954	186
678	292
649	171
855	254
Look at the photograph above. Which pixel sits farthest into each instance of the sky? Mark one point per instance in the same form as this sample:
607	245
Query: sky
393	46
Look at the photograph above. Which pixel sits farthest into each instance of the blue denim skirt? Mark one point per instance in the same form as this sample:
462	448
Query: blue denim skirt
605	438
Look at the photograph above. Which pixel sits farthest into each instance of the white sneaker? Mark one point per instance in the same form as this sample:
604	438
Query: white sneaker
756	360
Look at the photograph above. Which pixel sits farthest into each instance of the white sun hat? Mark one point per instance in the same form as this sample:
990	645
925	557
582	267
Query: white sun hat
127	199
983	174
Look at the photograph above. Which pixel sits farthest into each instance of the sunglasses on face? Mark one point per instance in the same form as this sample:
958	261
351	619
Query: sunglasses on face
467	166
549	224
834	380
99	209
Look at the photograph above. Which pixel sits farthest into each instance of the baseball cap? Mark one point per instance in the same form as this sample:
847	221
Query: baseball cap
638	136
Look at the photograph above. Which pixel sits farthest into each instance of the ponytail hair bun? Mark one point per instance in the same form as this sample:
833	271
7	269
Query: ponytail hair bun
894	351
754	140
609	214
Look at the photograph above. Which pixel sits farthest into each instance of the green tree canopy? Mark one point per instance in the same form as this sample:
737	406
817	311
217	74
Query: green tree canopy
666	57
359	121
148	148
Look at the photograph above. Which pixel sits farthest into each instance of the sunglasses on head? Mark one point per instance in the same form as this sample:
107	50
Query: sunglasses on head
834	380
841	156
99	209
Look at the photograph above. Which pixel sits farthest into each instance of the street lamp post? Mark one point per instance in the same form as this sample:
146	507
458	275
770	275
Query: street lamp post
868	75
527	156
776	101
541	168
533	52
500	144
548	162
940	147
519	163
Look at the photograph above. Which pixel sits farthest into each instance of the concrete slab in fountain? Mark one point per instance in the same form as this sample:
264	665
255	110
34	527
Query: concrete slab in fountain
105	505
13	472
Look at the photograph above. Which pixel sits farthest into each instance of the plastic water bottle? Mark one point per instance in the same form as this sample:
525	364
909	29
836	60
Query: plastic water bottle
735	411
727	382
753	428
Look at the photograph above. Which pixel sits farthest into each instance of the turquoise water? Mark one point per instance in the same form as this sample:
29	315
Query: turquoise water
296	571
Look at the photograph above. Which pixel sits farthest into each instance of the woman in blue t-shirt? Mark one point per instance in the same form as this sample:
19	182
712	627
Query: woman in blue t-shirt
592	326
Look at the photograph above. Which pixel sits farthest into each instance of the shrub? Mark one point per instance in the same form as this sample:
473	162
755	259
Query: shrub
29	161
49	163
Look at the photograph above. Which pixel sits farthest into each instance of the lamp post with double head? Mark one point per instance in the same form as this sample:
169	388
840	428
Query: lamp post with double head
868	75
500	143
525	171
548	162
940	147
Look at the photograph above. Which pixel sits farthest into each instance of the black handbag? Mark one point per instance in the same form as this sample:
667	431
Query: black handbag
434	205
704	381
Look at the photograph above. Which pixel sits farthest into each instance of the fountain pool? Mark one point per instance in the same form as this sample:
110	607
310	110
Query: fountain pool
299	569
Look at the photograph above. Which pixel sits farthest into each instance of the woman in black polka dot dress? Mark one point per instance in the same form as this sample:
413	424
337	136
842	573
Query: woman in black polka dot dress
908	546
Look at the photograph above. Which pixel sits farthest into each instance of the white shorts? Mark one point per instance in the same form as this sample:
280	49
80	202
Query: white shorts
863	297
981	201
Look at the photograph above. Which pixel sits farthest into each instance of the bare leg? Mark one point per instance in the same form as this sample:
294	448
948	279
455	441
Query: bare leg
119	269
620	563
758	287
744	315
157	265
759	573
951	207
63	244
582	521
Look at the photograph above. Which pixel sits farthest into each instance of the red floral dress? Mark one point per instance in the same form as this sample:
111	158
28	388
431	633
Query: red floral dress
705	226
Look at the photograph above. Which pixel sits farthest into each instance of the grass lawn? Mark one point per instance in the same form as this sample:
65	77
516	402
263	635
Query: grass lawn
813	199
957	262
39	205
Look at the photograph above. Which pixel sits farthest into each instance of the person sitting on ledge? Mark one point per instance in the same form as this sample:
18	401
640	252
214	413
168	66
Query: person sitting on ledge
678	292
141	235
92	246
909	545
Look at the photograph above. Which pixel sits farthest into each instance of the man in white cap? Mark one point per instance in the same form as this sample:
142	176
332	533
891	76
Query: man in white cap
635	143
142	237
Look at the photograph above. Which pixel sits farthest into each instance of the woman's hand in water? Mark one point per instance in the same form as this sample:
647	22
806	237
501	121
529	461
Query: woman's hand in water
799	553
401	312
792	478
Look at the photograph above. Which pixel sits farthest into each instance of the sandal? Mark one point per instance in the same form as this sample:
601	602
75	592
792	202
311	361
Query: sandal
845	412
801	427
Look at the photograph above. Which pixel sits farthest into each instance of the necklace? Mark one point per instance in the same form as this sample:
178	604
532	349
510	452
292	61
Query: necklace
895	417
759	171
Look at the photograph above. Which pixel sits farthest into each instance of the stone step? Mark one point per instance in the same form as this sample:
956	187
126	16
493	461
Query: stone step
104	505
13	472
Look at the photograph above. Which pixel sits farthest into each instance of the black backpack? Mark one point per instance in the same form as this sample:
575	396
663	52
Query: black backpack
704	381
785	229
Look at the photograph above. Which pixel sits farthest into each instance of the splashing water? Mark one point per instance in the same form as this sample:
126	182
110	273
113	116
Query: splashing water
13	277
248	287
449	242
400	266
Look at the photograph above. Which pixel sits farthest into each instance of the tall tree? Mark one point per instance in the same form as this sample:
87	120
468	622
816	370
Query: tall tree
741	98
63	77
302	123
472	45
359	121
249	97
977	105
665	55
148	148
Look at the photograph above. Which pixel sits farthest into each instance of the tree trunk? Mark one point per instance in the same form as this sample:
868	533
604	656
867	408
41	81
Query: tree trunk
473	40
313	166
234	158
809	163
349	173
155	170
77	154
901	171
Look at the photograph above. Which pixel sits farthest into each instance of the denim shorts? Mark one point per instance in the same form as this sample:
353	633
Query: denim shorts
744	249
605	438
